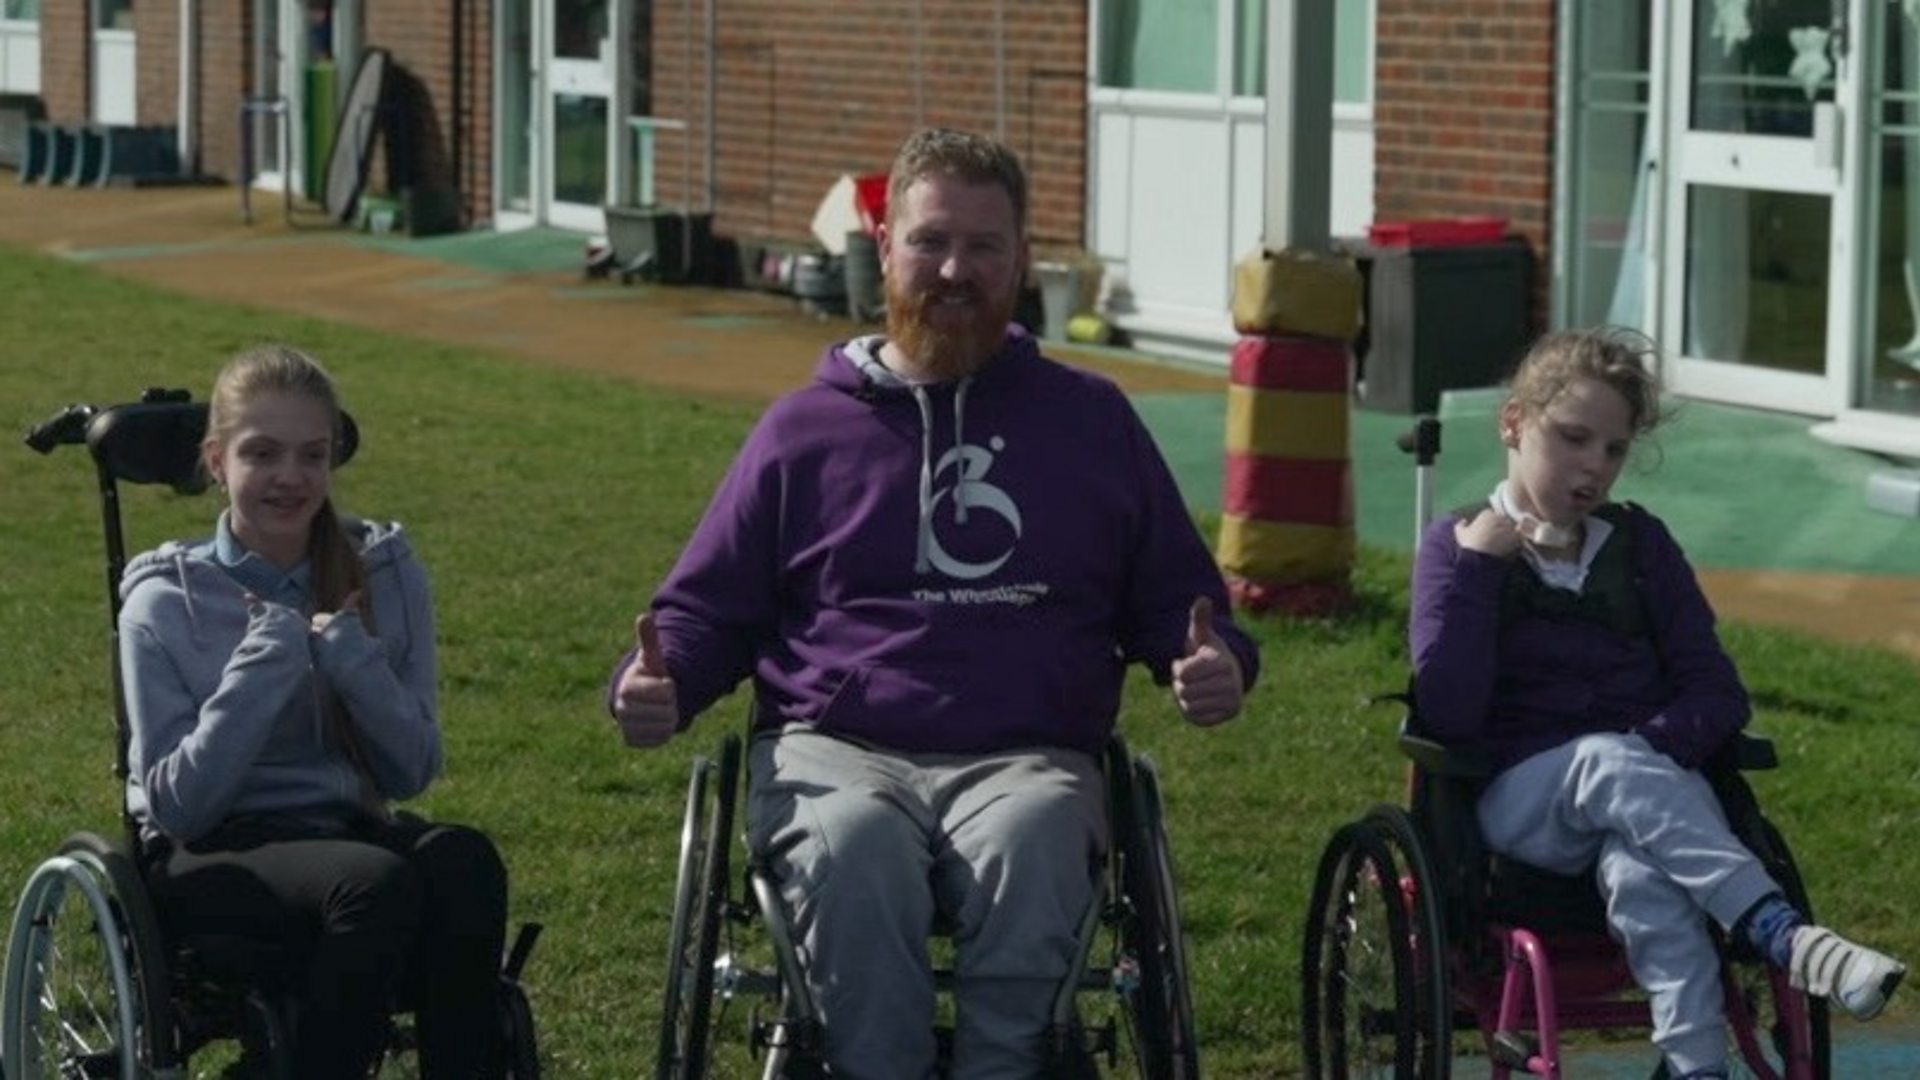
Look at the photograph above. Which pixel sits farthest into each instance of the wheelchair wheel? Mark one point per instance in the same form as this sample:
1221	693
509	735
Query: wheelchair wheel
1778	1033
1419	891
1160	1007
85	988
700	899
1358	1017
522	1045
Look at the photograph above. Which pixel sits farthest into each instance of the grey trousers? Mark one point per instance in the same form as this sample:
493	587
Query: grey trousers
1664	857
873	849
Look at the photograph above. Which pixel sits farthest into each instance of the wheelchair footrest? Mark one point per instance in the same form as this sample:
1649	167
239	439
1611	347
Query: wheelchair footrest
1512	1050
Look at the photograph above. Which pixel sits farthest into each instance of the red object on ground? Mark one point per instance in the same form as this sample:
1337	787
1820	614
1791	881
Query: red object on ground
1437	232
870	199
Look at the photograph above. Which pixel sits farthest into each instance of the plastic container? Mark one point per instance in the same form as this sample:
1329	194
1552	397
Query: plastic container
866	292
1059	296
870	199
1437	232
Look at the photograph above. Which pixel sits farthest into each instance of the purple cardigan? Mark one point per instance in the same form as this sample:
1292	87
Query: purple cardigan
1514	690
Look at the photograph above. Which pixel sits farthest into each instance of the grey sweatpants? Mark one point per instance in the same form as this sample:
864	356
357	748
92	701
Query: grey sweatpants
870	847
1665	856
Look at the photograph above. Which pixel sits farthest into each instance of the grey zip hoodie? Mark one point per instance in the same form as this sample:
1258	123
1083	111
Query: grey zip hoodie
224	697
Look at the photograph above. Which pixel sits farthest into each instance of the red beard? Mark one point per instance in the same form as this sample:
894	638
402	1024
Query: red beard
947	344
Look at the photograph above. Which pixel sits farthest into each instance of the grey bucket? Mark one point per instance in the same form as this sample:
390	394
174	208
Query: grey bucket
866	296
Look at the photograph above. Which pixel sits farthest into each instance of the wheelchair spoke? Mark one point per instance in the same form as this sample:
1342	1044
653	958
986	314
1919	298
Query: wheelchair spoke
74	1029
1366	1015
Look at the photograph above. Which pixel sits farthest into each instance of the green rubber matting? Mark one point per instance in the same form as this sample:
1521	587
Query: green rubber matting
1741	489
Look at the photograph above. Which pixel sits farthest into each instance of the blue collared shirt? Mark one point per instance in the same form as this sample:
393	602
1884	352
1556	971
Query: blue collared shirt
293	588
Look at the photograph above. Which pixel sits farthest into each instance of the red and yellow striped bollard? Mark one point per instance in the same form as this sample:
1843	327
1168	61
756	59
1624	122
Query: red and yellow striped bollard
1286	531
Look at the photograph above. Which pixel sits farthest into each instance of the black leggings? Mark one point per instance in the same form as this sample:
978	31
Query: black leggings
403	909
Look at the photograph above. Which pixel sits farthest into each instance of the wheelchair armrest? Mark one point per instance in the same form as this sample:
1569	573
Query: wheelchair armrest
1742	753
1438	759
1751	753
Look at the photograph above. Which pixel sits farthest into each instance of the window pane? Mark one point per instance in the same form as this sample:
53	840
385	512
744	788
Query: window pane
115	14
1764	72
516	104
1352	50
579	29
1757	277
580	149
1250	47
1611	190
1160	45
1889	377
24	10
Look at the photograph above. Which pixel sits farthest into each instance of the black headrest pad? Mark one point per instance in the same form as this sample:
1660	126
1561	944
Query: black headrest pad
158	442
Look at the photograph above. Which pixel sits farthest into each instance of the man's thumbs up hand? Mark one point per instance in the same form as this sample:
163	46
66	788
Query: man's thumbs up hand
1206	679
646	703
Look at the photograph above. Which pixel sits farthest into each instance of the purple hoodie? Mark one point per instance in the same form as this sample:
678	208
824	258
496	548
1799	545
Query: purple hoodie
961	567
1518	688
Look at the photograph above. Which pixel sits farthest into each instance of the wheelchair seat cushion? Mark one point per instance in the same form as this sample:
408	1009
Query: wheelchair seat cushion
230	962
1526	896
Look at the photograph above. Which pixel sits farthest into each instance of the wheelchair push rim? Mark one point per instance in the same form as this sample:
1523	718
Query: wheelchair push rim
76	1003
1160	1006
700	900
1357	994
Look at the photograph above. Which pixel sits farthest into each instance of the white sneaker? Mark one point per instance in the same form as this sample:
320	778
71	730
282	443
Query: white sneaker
1851	976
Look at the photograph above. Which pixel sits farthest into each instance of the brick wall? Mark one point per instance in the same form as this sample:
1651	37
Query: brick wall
225	33
809	91
440	131
1463	114
64	61
156	59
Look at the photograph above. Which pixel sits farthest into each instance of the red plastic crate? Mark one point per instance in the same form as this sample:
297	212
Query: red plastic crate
870	199
1437	232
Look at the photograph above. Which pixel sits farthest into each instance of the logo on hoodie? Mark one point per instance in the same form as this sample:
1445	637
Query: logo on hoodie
969	491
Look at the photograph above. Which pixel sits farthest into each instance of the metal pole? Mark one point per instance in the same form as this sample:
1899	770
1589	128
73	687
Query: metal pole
999	70
713	45
1299	123
185	143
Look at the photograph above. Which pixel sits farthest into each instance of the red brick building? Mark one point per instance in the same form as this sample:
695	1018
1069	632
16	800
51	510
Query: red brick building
1731	178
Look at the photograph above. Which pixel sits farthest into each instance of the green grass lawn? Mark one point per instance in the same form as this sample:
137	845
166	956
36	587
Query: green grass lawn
548	504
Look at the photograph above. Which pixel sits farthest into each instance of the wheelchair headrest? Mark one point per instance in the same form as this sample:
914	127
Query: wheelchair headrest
158	441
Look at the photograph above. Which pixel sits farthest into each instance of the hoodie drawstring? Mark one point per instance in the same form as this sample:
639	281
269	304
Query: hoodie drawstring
924	538
960	499
924	534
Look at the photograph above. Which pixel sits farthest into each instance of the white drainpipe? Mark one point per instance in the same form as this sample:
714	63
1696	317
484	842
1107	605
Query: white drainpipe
189	46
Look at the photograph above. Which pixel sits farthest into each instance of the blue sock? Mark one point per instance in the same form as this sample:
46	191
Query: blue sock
1770	925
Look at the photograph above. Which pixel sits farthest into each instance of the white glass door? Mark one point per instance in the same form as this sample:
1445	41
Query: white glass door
579	101
516	136
19	46
113	79
1757	271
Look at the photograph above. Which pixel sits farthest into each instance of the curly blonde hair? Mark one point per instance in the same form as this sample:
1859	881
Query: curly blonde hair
1614	356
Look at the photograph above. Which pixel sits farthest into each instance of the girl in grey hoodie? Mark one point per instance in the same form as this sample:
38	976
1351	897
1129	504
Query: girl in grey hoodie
280	680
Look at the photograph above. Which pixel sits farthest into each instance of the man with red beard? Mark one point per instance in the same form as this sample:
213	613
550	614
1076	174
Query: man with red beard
935	562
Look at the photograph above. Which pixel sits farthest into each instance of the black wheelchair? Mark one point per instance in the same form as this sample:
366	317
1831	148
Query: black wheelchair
1415	931
92	988
1132	954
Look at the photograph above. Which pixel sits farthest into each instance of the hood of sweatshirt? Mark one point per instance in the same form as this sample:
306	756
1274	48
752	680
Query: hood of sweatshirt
381	545
856	367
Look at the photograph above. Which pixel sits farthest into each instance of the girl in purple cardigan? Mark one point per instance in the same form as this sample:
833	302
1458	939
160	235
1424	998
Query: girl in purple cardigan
1566	636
